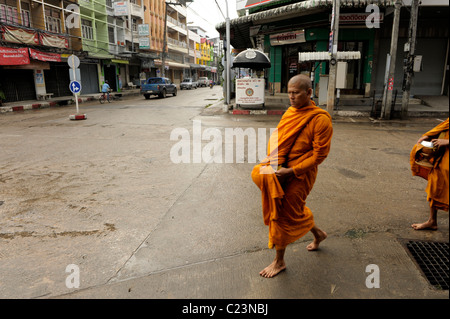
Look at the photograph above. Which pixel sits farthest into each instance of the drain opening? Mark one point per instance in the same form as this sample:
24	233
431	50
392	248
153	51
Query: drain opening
432	259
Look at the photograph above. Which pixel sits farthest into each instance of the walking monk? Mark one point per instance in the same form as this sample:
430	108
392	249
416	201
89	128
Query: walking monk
286	176
437	187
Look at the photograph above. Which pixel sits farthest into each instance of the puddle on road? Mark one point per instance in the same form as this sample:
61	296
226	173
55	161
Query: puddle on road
72	233
350	174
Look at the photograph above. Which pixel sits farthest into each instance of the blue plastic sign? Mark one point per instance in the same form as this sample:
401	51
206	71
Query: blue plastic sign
75	87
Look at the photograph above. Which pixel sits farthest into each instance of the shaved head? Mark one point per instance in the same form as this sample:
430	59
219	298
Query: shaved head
301	81
300	91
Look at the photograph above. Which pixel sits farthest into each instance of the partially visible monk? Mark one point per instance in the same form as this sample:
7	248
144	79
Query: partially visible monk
300	143
437	187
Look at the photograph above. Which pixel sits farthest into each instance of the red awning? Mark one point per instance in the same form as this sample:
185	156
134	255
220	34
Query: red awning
10	56
44	56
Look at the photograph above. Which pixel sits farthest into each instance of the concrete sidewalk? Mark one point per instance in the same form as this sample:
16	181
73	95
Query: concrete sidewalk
337	271
60	101
419	106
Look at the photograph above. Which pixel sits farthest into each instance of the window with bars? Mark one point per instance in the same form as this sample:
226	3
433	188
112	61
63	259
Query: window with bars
52	20
53	24
25	13
2	13
26	18
86	29
111	35
8	14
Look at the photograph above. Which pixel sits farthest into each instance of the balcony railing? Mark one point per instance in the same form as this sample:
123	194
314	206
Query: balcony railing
136	10
177	43
127	35
177	23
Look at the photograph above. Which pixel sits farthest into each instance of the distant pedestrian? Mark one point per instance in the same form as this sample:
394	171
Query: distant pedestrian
105	89
300	143
438	179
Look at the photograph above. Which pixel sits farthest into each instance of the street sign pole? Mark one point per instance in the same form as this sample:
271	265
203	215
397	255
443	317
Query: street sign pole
75	85
75	95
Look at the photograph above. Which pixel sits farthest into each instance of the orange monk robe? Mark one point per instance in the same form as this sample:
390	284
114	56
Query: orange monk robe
304	140
438	184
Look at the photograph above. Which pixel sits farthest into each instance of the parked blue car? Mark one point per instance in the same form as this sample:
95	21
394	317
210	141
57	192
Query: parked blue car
158	86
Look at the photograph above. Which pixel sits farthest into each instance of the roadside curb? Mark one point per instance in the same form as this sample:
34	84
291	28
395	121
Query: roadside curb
43	105
343	113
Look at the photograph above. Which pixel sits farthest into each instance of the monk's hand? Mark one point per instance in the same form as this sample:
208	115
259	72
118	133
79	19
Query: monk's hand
283	173
439	142
423	138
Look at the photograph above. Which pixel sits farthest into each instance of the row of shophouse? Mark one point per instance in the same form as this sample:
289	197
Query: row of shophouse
295	35
118	41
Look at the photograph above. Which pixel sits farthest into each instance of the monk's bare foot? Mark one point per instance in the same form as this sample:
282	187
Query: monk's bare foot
273	269
429	225
319	237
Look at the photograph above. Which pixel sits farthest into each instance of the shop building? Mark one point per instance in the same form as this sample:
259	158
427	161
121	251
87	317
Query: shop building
176	63
35	42
286	29
194	53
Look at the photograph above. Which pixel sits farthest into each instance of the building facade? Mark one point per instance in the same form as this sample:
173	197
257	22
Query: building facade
287	30
34	41
117	41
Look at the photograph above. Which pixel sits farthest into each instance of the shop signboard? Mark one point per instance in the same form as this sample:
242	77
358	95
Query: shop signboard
287	37
120	8
144	43
249	91
10	56
44	56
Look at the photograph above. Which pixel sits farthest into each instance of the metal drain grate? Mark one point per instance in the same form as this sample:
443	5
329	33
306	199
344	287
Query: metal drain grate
432	258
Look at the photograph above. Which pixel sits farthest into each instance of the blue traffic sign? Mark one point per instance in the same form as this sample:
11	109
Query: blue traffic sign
75	87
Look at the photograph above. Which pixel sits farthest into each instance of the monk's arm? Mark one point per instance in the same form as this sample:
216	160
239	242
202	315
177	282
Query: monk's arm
437	130
440	142
323	132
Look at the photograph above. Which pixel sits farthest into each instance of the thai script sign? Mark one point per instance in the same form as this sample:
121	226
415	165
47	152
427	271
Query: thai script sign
249	91
9	56
45	56
288	37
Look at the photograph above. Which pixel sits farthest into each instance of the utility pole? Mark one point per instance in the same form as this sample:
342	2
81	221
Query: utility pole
409	63
389	87
130	22
333	62
228	57
163	58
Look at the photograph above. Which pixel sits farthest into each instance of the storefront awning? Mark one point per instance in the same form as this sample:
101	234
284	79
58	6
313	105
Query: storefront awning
325	56
151	56
174	65
195	66
120	61
240	27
